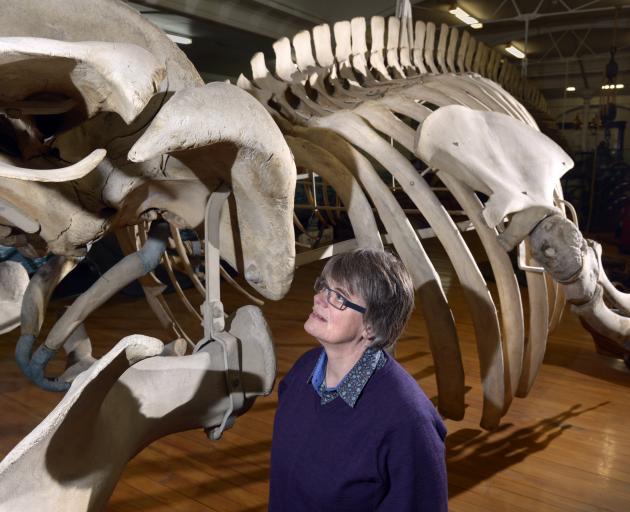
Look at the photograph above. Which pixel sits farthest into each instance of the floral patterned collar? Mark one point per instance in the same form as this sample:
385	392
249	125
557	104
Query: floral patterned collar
351	386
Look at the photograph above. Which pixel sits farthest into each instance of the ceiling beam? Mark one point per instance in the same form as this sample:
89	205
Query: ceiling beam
496	38
249	16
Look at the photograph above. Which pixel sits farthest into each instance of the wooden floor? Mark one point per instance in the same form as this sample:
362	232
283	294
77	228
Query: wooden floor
564	448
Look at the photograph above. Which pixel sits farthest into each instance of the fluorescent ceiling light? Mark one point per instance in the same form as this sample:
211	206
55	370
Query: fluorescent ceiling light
619	86
515	51
179	39
606	87
571	88
462	15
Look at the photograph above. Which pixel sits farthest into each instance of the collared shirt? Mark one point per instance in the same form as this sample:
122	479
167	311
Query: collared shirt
352	384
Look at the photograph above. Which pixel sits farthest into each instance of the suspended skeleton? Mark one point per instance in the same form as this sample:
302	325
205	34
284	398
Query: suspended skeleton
149	142
342	109
349	111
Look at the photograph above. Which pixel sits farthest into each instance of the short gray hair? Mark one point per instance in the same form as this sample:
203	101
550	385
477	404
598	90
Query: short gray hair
383	282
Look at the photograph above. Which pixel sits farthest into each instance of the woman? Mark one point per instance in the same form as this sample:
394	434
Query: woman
353	430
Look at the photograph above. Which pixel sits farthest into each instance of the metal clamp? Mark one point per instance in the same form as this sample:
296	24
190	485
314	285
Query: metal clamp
233	382
214	317
522	261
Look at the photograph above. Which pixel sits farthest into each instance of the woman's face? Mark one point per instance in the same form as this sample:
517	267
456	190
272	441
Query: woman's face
331	326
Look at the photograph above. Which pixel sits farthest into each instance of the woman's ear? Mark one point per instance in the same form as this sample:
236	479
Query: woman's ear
368	335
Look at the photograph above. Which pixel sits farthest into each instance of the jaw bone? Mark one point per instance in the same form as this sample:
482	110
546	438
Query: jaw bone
256	162
108	77
89	76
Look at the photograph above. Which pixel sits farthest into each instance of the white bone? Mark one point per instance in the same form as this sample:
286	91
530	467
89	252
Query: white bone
223	102
478	60
358	31
606	322
440	324
359	49
536	342
513	323
406	43
393	39
343	43
13	283
303	50
418	47
320	161
123	77
429	47
72	172
470	52
441	49
323	45
452	49
377	60
473	145
285	67
461	53
479	300
10	215
126	409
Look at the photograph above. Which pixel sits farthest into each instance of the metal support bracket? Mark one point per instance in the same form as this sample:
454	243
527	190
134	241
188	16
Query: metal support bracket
214	316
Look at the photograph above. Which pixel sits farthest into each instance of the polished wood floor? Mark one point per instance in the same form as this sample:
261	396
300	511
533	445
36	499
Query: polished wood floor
564	448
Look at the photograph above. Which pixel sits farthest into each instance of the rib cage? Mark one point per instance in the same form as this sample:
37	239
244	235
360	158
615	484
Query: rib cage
342	106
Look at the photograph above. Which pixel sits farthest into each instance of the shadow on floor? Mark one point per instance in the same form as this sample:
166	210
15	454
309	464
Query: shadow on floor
474	456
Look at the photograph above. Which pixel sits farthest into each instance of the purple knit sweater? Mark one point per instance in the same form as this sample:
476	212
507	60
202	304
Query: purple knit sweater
385	454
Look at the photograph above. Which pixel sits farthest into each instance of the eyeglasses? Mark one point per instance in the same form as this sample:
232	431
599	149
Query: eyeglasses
334	298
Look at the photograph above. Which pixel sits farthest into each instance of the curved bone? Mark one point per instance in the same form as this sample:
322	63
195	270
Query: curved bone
262	172
39	291
440	323
479	299
429	45
606	322
13	283
620	300
536	342
120	275
452	49
418	47
112	411
470	52
377	60
117	77
10	215
507	286
117	277
472	145
462	51
72	172
38	472
441	49
559	246
556	302
36	107
35	303
314	158
393	45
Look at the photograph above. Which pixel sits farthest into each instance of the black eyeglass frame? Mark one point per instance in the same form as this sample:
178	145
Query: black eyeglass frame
320	284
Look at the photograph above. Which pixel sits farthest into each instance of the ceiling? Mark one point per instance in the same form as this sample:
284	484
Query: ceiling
567	41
